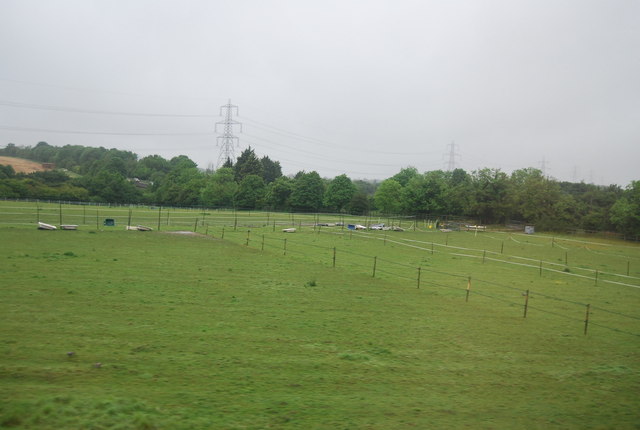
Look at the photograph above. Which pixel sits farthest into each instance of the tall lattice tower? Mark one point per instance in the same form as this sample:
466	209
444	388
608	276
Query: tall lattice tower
451	165
227	141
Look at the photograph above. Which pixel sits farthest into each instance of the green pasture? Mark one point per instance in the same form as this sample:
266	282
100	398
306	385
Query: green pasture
242	326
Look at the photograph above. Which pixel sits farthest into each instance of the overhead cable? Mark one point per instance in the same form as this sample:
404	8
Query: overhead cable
95	111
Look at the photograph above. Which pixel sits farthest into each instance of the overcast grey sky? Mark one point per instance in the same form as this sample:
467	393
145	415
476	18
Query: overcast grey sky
362	87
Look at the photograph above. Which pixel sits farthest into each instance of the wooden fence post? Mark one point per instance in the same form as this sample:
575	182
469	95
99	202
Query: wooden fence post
375	260
262	248
431	248
222	237
526	303
60	212
628	261
468	289
540	267
502	248
419	277
97	218
195	226
248	234
334	256
84	214
129	219
285	247
159	215
586	320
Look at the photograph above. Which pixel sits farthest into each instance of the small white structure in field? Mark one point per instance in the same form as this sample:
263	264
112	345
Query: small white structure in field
138	228
529	229
476	227
288	230
43	226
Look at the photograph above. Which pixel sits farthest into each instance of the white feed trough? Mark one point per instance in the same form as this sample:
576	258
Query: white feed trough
138	228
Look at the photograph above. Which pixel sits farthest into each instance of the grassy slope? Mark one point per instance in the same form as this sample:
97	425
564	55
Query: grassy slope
22	165
194	332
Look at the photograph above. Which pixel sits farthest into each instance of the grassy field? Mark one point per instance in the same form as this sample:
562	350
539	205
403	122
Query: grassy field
175	330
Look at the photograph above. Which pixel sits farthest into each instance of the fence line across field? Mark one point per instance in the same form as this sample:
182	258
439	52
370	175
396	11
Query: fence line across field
372	236
539	267
300	243
211	218
380	265
184	217
551	263
378	269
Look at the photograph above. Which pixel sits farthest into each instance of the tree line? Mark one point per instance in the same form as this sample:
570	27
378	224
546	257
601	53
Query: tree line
488	196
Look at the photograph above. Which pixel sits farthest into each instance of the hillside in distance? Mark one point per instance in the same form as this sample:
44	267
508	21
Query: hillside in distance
22	165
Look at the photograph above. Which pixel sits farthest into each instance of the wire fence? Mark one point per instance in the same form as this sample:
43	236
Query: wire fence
238	227
102	215
542	265
467	287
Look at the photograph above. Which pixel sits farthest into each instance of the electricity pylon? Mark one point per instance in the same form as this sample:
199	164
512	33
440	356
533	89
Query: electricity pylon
227	140
451	165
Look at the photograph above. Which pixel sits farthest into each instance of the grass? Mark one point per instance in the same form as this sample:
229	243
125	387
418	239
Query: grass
197	332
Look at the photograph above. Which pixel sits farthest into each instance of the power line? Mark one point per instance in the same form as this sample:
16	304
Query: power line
99	112
316	155
285	133
256	124
108	133
103	91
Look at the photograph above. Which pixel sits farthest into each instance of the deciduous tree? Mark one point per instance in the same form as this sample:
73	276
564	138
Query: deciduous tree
220	189
278	193
388	196
307	193
339	193
251	192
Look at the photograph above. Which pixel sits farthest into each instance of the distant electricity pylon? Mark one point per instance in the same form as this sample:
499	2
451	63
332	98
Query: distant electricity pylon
544	166
451	165
227	140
